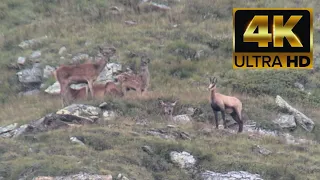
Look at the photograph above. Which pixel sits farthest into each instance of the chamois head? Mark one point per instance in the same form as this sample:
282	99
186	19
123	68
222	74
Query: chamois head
168	107
212	83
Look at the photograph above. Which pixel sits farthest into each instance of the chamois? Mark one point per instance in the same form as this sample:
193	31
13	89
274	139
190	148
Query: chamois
225	104
81	73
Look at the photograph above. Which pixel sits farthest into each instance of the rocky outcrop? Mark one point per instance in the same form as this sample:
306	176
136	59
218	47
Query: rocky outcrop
286	121
305	122
71	116
31	78
32	42
182	119
79	176
232	175
183	159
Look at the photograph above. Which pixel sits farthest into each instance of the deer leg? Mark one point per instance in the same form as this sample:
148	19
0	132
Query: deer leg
124	90
216	118
223	114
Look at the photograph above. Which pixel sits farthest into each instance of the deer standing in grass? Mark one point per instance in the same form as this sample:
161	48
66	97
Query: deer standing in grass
100	91
139	82
168	109
225	104
81	73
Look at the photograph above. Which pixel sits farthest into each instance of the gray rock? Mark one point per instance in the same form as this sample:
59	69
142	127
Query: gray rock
108	115
35	55
79	176
183	159
32	42
30	93
80	57
91	113
76	140
62	50
47	71
21	60
8	128
55	88
299	86
122	177
107	74
182	119
33	75
300	118
232	175
286	121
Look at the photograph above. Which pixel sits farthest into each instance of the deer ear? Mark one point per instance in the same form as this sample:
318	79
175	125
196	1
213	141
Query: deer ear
161	102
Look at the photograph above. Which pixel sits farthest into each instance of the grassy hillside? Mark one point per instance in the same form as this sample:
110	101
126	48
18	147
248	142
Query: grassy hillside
171	40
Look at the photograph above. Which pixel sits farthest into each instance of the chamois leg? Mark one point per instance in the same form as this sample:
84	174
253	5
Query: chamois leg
216	118
223	114
235	116
90	84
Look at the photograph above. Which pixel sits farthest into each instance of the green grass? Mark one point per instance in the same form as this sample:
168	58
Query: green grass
176	75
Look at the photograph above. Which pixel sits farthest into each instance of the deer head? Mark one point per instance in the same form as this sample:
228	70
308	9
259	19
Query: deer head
212	83
168	107
144	61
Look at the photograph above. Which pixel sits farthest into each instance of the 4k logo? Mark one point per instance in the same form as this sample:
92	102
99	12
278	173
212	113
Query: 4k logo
272	38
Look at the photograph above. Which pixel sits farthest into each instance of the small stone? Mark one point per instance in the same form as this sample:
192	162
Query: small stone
21	60
62	50
35	55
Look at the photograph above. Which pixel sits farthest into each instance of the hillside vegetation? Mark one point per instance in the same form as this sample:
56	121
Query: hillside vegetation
187	45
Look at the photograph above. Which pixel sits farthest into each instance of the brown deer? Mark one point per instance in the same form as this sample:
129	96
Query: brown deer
139	82
81	73
168	108
100	91
225	104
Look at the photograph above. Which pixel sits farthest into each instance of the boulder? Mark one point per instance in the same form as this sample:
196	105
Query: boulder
79	176
90	113
183	159
62	50
108	72
108	115
30	93
182	119
32	42
8	128
21	60
80	57
55	88
35	55
33	75
234	175
300	118
47	71
286	121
